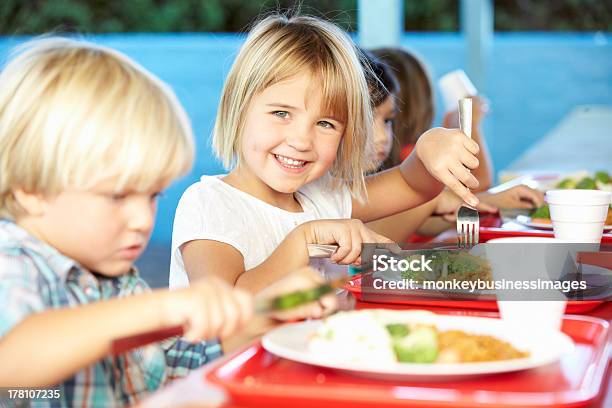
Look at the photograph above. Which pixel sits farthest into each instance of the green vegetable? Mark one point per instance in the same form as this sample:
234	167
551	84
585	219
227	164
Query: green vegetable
586	183
542	212
462	263
397	330
414	275
420	346
294	299
566	183
447	264
603	177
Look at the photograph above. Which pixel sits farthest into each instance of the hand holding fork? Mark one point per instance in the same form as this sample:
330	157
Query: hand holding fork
467	217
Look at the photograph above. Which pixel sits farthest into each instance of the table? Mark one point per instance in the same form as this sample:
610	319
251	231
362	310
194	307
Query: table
581	141
190	391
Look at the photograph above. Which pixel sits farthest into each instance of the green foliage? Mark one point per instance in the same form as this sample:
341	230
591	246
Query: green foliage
95	16
432	15
553	15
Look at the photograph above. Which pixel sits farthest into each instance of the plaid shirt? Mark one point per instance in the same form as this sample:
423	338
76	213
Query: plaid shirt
35	277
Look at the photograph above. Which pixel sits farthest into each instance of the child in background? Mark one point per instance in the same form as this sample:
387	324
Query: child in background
415	112
88	139
293	124
384	89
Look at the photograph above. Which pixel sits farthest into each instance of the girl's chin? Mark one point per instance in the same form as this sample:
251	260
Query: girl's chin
287	185
285	188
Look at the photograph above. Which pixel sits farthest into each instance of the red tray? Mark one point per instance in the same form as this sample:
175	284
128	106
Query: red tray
487	233
382	297
255	378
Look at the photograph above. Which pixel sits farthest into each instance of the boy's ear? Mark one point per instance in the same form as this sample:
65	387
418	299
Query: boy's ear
34	204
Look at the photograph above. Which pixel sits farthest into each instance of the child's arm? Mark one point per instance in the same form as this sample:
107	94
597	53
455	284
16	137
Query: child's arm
206	257
520	196
400	227
48	347
484	172
298	280
441	157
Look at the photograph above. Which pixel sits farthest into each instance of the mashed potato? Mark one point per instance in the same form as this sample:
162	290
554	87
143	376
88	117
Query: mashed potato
356	337
385	337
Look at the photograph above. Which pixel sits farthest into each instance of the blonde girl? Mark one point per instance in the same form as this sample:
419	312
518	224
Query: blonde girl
293	127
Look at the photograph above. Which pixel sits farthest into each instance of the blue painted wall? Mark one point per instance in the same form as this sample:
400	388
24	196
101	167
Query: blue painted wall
533	80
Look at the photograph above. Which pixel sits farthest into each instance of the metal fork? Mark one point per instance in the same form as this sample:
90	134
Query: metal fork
468	222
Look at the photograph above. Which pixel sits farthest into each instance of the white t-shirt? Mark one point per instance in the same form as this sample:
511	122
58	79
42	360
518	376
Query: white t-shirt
212	209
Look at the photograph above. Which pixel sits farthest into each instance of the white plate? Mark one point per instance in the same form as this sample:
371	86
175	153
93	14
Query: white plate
526	221
291	342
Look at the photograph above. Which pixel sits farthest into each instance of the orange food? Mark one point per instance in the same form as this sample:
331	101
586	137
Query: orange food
541	221
457	346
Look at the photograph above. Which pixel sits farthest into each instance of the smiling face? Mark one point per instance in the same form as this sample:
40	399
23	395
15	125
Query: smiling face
288	140
384	114
102	230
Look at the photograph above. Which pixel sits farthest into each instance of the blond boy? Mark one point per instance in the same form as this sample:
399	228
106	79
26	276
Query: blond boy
88	139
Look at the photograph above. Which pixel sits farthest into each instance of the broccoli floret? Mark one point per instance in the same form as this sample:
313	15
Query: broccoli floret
397	330
410	274
586	183
439	261
542	212
444	264
566	183
420	346
602	177
464	263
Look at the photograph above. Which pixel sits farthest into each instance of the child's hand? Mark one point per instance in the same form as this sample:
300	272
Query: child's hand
448	203
347	234
208	308
301	279
519	196
448	154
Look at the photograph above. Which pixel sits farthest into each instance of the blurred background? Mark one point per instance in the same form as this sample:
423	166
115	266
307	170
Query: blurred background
534	59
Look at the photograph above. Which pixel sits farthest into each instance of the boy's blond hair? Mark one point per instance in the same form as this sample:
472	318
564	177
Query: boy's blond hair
73	114
280	47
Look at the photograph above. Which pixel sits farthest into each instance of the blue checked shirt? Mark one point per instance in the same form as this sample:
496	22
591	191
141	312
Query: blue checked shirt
35	277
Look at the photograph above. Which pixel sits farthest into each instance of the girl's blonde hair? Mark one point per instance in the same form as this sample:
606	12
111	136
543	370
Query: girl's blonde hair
414	99
280	47
73	114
